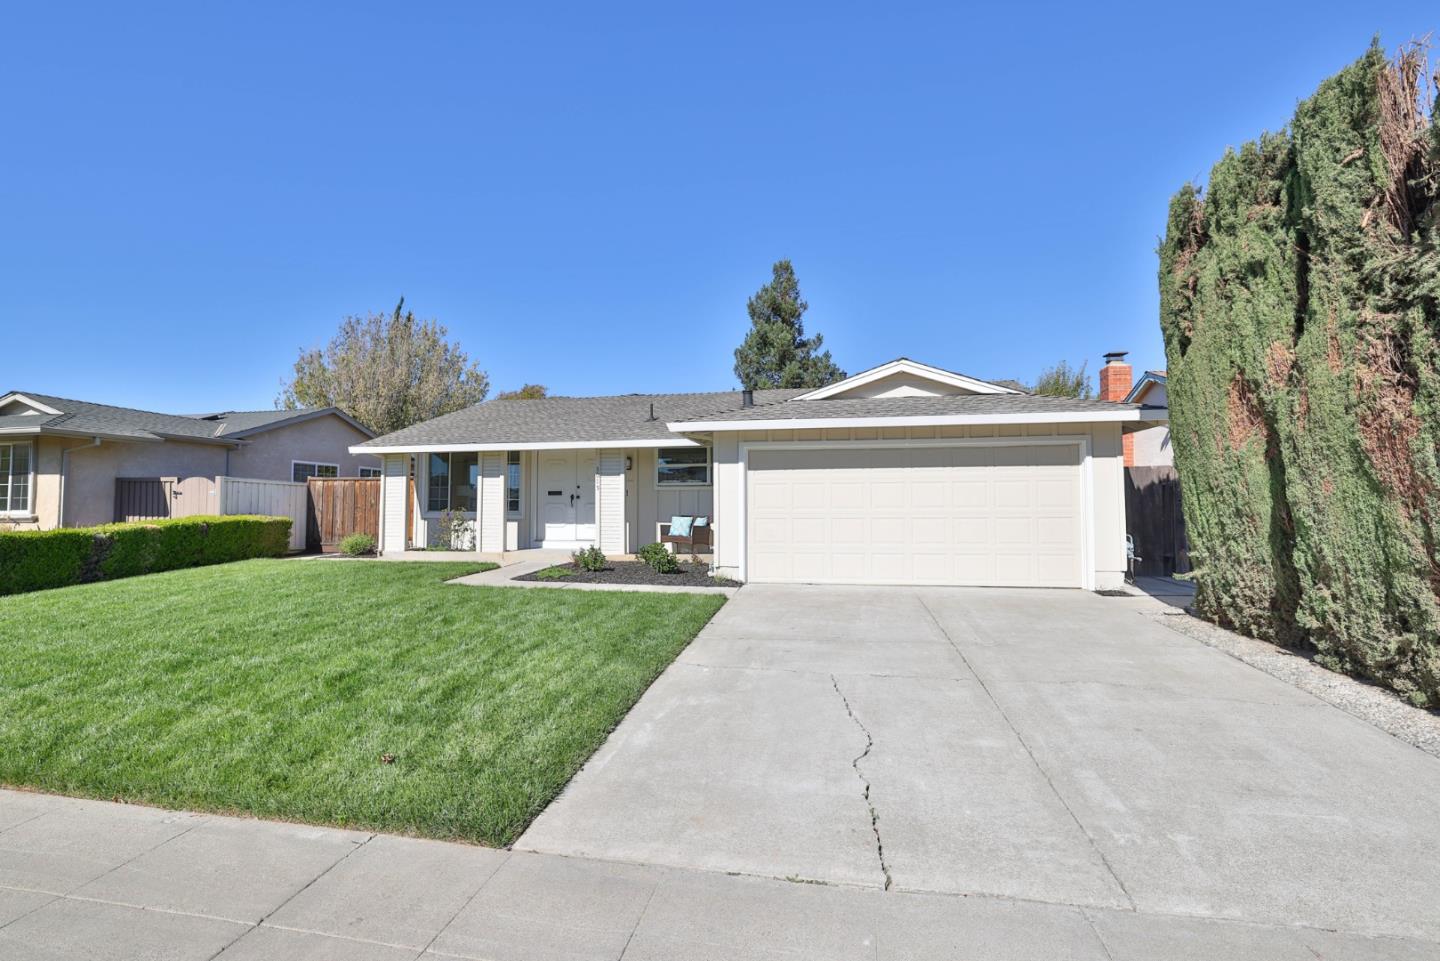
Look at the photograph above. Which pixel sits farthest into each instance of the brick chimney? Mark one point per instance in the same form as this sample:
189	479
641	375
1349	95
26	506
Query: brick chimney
1116	378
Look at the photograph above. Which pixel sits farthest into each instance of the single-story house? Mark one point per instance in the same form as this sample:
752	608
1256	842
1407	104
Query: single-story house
60	458
1151	448
902	474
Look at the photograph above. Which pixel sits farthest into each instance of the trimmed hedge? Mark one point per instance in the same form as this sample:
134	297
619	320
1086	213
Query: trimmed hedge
35	560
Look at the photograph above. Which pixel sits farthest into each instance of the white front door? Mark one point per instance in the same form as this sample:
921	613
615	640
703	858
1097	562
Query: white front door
567	498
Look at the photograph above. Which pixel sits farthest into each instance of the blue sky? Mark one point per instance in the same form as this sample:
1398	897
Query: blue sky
586	195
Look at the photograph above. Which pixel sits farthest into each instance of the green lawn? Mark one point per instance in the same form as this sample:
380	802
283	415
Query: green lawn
274	686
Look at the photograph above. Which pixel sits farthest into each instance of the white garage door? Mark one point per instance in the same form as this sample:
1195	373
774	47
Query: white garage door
993	516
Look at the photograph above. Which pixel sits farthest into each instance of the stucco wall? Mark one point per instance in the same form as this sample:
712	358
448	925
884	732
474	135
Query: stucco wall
1152	447
90	486
323	440
1107	476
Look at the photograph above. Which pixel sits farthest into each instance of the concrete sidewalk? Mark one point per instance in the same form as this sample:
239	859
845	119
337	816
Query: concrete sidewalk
93	880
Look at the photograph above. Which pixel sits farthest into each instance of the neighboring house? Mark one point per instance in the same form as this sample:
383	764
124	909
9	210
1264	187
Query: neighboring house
903	474
1145	448
59	458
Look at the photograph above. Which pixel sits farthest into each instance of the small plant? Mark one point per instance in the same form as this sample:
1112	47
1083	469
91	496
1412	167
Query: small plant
357	545
454	532
589	559
661	561
650	551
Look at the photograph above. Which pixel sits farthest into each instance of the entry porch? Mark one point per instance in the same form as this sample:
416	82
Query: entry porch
553	498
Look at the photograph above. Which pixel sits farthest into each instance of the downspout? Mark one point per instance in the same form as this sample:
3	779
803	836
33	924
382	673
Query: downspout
65	473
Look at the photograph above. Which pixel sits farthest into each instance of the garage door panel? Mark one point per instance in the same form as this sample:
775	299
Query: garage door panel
847	494
970	493
848	530
1056	531
1013	492
999	515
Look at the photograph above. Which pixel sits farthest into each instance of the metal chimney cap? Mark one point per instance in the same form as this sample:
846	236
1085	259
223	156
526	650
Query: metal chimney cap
1115	356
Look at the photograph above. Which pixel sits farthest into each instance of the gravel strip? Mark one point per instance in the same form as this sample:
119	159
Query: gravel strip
635	572
1372	704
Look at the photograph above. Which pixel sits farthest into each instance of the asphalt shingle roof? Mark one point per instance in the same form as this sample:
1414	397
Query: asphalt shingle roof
565	419
85	417
584	420
842	407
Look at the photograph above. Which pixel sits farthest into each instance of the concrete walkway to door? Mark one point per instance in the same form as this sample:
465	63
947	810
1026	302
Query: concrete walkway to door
1038	746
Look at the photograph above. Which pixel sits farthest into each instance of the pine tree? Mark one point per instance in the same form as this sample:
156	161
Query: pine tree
776	352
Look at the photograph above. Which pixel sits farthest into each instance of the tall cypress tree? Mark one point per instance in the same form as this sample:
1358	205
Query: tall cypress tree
1300	313
776	352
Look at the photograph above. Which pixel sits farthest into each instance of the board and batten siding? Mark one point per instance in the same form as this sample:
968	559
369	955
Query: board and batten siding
394	489
655	505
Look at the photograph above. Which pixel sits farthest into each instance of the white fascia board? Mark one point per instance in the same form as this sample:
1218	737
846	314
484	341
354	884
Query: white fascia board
525	445
42	408
926	420
903	366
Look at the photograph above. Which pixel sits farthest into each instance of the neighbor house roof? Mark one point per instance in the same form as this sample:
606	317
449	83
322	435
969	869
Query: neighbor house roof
1147	380
63	415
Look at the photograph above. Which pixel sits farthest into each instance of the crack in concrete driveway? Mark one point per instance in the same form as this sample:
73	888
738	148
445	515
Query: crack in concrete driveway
874	815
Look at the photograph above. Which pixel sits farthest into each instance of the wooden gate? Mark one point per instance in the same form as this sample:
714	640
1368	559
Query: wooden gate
1154	519
339	507
153	498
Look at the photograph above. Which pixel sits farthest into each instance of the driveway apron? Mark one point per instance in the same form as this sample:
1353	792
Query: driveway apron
1049	746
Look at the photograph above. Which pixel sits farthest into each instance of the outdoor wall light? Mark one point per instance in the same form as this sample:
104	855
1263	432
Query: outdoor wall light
629	463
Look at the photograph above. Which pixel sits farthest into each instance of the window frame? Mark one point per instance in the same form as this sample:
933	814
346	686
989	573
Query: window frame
315	464
433	511
514	458
8	480
709	468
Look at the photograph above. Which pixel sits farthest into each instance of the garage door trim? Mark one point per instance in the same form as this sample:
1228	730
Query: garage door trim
1080	442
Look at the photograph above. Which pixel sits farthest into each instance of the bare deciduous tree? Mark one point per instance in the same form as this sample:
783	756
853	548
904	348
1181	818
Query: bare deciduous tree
387	371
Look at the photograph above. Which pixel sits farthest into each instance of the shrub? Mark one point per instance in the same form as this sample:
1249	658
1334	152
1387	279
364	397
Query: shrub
35	560
589	559
648	551
357	545
32	560
660	559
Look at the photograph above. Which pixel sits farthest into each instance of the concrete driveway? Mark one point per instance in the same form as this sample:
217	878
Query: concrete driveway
1049	746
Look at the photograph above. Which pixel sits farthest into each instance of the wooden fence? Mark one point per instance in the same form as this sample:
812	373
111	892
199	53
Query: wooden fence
249	495
154	498
339	507
1154	519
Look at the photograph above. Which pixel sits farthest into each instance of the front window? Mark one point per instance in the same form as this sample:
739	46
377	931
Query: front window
301	470
512	483
14	478
454	480
682	466
371	472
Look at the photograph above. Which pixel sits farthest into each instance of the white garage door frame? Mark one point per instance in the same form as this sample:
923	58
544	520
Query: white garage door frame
1080	442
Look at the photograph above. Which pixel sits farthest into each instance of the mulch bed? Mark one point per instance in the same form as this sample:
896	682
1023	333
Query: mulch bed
637	572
